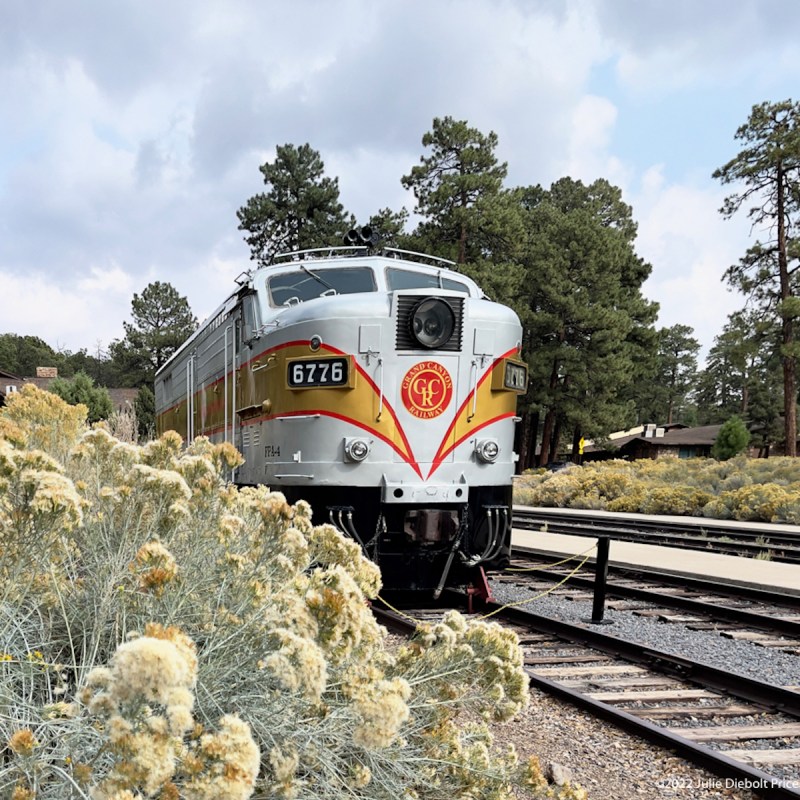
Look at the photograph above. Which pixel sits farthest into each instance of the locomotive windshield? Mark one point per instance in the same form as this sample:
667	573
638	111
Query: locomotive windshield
304	284
409	279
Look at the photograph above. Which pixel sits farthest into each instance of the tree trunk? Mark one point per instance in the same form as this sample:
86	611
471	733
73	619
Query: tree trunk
462	244
787	330
549	419
577	456
527	438
555	440
522	442
547	435
532	439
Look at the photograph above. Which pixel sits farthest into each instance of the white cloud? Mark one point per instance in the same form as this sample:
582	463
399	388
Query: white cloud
132	131
588	156
68	318
689	244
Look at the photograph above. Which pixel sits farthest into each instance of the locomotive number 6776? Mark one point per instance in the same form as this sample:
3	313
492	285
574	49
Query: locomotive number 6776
381	387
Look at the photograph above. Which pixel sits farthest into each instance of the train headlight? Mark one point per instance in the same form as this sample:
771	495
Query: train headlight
432	322
356	449
487	450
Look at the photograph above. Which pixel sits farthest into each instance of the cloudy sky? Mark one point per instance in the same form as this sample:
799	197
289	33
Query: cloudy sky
130	132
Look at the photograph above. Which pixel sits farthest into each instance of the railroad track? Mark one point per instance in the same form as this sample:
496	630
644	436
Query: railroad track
763	617
778	543
736	727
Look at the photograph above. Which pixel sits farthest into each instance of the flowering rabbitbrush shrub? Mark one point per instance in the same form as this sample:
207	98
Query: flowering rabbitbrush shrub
165	635
765	490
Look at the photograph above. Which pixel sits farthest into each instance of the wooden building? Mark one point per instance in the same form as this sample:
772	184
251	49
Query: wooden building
652	441
9	383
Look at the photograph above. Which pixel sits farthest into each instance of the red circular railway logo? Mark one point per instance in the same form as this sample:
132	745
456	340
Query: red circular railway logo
427	389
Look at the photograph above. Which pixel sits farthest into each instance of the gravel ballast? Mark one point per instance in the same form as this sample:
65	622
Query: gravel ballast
710	647
609	762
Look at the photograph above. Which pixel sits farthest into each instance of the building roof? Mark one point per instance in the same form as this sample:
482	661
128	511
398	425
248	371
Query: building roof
675	436
704	434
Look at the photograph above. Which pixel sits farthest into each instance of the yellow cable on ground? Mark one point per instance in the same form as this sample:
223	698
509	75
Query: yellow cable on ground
550	566
416	622
541	594
585	555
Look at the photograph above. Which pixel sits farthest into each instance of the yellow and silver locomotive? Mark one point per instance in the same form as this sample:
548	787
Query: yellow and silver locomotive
381	387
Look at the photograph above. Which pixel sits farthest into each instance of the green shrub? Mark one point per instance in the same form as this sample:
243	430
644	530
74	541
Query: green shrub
558	489
732	439
630	502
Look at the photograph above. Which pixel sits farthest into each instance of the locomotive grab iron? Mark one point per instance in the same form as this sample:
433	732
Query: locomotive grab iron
379	386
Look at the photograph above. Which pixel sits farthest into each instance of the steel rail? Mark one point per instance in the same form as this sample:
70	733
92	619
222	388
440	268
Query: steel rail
785	547
754	691
789	627
786	597
715	761
763	784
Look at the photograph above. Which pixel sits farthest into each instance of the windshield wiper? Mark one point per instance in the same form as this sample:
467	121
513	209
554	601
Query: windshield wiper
317	278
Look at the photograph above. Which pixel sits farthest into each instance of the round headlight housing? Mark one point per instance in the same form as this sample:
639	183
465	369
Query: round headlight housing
488	450
356	449
432	322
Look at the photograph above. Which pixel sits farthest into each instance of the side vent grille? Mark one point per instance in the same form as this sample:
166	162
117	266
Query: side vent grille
405	339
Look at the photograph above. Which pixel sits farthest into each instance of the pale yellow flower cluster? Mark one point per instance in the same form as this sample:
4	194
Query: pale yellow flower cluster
228	762
284	766
485	655
360	776
149	674
48	423
258	523
40	510
329	548
337	605
499	658
103	460
164	452
382	708
222	456
22	742
155	566
297	665
34	492
159	669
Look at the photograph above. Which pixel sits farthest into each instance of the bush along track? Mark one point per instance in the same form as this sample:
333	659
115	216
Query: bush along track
166	635
756	489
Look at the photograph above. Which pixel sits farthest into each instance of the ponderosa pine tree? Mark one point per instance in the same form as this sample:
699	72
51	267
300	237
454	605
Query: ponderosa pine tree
299	210
458	189
20	355
590	327
742	377
768	166
674	375
162	321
